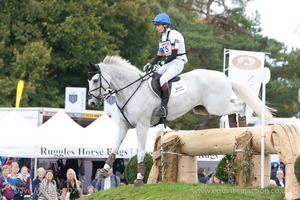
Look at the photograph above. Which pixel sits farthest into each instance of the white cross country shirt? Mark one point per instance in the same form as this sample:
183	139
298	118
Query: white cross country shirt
172	39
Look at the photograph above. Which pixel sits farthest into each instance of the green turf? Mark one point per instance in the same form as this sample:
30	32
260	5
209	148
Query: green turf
169	191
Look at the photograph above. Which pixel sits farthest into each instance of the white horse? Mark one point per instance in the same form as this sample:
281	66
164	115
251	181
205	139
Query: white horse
208	92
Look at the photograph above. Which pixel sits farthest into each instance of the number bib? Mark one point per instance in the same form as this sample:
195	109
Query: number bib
167	47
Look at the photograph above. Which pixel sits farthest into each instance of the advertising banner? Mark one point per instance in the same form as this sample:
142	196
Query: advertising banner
75	98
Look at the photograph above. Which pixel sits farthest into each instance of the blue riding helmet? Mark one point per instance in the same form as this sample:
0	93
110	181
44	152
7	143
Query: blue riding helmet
162	18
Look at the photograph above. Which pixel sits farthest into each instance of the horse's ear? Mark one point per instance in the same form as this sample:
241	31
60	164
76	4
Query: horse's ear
90	66
87	66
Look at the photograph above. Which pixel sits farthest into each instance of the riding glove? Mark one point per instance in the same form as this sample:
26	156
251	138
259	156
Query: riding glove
147	67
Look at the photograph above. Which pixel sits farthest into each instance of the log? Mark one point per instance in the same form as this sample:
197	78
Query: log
287	144
221	141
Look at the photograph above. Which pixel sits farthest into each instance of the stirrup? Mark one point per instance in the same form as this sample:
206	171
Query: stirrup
163	112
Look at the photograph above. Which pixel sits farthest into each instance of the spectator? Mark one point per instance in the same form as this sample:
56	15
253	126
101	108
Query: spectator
72	188
95	179
202	175
280	180
109	182
90	190
214	180
272	182
7	184
122	180
37	181
48	187
25	177
14	170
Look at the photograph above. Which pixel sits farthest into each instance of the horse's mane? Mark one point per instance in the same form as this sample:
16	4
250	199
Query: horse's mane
120	62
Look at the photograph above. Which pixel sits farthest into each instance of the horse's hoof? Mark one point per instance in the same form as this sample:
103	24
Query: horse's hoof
138	182
102	174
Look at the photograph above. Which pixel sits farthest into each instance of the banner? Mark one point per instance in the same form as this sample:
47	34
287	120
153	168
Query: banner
20	88
75	98
110	106
82	152
246	67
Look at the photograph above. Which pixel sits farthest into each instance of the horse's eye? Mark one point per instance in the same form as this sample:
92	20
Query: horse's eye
95	80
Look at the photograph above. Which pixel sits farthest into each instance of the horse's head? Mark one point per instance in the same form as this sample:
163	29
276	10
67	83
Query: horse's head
98	85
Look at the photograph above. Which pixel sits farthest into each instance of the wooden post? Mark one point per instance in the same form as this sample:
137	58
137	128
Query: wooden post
256	171
171	147
154	175
187	169
287	144
243	159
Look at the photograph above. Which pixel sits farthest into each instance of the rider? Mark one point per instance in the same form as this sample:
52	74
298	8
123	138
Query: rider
172	46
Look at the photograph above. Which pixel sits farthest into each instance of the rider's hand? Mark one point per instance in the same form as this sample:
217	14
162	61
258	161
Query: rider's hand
147	67
161	63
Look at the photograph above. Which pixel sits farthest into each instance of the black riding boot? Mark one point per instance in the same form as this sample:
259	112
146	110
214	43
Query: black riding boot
163	111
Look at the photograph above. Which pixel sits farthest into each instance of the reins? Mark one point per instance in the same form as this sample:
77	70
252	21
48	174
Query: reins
111	92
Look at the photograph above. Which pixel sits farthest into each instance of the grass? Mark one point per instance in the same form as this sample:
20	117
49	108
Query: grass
186	191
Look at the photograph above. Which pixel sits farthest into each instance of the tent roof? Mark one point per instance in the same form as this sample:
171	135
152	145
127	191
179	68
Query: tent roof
15	131
60	121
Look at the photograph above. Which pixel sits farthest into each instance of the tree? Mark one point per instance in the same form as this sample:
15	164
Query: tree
62	36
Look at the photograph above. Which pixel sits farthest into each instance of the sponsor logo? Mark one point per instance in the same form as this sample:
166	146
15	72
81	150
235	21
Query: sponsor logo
111	100
246	62
73	98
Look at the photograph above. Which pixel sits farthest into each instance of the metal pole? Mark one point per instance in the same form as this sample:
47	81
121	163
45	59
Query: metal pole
162	151
262	183
35	167
224	60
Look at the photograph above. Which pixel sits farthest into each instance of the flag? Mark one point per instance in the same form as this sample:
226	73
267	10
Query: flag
20	88
247	67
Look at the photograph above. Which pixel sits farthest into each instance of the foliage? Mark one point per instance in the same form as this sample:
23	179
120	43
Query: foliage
174	191
297	168
225	169
55	38
132	165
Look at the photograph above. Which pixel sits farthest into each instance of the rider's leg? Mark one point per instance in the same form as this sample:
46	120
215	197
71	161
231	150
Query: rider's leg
163	111
168	71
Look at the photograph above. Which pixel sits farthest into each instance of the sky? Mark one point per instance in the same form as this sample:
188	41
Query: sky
279	19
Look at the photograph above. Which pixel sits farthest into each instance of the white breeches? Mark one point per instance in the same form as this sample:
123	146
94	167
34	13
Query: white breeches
170	70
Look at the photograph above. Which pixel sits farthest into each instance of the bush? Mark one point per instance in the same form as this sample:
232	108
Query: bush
297	169
131	168
222	168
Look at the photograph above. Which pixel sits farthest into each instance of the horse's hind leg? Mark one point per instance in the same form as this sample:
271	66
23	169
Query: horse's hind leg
235	106
227	109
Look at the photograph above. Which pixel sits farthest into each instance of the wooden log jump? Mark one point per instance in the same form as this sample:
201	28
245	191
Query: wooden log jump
279	139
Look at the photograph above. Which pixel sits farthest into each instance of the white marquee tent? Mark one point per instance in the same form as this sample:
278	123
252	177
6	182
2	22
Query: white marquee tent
16	132
61	137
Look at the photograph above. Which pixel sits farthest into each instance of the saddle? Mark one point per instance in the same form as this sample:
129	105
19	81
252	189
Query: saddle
155	85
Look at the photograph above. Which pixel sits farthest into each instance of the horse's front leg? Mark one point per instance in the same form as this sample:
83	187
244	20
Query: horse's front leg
141	132
123	128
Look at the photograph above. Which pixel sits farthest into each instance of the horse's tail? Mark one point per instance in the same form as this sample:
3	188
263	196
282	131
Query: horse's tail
246	94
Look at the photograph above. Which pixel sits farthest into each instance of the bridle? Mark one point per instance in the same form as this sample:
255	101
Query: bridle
110	92
104	96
